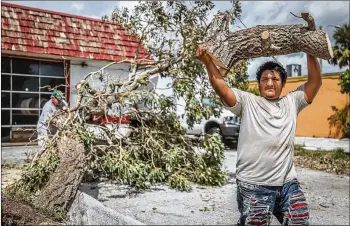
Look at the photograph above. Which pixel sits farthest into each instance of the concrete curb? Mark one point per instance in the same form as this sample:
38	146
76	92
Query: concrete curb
86	210
323	143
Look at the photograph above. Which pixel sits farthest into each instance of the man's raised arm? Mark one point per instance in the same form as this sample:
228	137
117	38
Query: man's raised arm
216	79
314	80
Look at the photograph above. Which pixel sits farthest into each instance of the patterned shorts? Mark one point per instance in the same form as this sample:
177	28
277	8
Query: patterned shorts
258	203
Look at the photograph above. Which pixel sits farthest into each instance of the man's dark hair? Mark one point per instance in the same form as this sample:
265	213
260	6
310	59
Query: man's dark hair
274	66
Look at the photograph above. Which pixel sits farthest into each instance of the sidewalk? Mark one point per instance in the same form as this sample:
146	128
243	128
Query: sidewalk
323	143
16	154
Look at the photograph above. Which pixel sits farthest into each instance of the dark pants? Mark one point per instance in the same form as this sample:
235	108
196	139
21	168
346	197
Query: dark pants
258	203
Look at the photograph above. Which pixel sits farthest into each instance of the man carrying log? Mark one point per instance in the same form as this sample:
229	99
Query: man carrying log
266	178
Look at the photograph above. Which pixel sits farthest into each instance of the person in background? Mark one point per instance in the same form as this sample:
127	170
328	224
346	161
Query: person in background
44	129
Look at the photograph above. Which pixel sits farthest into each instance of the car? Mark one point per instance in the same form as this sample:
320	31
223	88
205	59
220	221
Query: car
227	125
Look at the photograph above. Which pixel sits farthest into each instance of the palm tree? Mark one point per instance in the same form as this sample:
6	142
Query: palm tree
340	118
341	49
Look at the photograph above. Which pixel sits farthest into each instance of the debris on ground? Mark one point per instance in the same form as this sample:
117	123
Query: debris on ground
336	161
18	213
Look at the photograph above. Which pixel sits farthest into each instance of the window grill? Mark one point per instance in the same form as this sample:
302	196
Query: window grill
25	89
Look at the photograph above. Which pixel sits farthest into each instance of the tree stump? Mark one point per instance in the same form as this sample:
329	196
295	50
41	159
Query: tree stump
227	48
63	184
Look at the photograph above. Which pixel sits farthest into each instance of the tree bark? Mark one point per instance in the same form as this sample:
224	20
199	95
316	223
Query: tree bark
227	48
63	184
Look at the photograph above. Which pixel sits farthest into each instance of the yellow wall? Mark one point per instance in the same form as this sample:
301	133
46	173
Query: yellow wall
312	121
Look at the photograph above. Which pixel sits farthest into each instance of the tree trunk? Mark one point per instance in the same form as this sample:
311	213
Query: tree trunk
227	48
63	184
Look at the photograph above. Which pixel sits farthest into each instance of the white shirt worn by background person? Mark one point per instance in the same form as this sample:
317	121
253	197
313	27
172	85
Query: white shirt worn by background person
43	128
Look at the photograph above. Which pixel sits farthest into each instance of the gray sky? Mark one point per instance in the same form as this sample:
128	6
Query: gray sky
254	13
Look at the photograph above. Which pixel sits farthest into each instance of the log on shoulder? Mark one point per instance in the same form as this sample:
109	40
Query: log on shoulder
227	48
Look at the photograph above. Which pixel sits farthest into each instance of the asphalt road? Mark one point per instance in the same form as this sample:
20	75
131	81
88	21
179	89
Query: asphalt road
327	194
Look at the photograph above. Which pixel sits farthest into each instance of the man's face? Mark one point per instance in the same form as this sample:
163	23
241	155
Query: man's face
270	85
55	101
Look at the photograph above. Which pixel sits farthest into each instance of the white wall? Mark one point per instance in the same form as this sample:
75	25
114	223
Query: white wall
78	72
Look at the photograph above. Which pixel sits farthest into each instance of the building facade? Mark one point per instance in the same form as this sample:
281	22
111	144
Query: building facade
44	50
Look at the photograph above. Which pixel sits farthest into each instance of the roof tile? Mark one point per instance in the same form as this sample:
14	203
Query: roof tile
41	31
5	14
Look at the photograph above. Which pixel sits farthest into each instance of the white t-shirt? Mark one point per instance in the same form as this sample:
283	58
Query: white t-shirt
42	127
266	142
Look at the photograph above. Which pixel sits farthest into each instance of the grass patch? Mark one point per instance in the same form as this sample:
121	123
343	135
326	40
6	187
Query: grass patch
335	161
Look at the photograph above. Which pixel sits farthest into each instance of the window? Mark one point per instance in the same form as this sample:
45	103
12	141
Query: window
25	66
25	88
5	65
